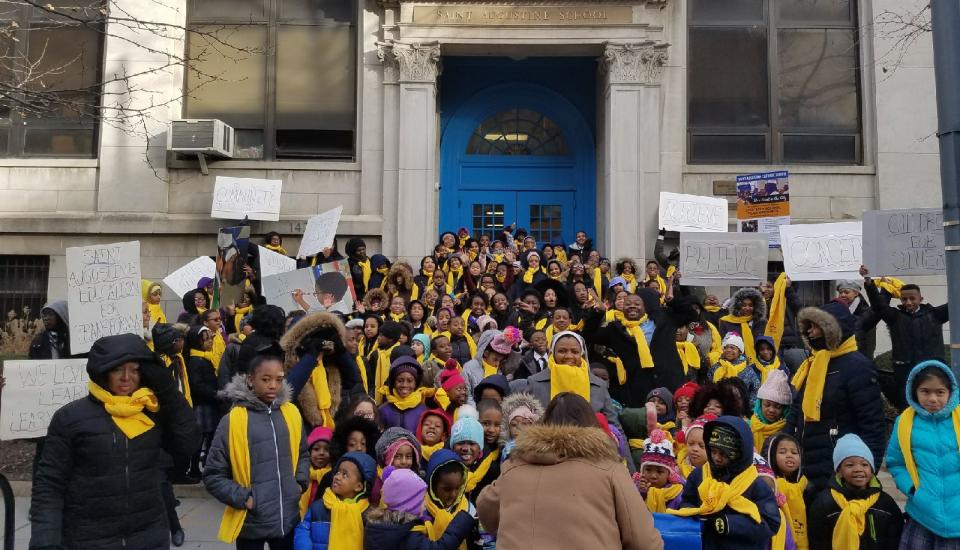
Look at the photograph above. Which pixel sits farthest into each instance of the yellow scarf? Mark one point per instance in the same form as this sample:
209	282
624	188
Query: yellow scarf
239	451
716	344
427	450
797	509
474	477
442	517
405	403
127	411
383	369
488	369
397	316
685	467
778	311
813	374
746	332
453	277
560	255
366	272
184	379
726	369
346	521
779	540
852	520
307	497
363	372
566	378
471	344
529	273
631	280
712	309
219	348
904	431
689	356
762	431
278	248
717	495
765	370
208	355
598	281
891	285
238	314
318	380
643	349
156	314
658	498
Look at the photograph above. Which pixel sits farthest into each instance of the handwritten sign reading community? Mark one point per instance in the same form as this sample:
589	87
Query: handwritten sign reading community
35	390
822	252
185	279
722	259
320	232
272	263
904	242
103	292
692	213
237	198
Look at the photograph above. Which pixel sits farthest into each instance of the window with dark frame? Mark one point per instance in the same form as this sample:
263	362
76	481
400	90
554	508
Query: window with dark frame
50	77
281	72
773	81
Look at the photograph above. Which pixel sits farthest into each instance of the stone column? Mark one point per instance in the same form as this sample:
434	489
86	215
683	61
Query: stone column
416	204
391	154
630	163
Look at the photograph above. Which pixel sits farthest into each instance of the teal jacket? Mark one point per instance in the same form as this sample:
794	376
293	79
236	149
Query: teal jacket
936	504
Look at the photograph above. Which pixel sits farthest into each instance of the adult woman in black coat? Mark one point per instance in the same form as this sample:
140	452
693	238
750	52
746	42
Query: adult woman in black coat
98	482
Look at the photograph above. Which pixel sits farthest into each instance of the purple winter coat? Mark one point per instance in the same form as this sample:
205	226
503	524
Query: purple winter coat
391	416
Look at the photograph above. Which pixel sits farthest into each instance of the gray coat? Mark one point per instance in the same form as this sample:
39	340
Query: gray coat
473	369
276	488
539	386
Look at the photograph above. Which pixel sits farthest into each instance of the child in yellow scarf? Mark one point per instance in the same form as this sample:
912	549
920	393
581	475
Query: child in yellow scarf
782	452
433	429
734	363
770	408
491	417
658	480
335	521
854	512
466	440
405	399
446	500
318	445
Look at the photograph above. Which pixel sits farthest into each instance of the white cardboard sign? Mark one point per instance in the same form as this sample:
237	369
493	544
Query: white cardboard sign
103	292
899	243
185	279
35	390
693	213
721	259
272	263
320	232
239	198
278	289
823	251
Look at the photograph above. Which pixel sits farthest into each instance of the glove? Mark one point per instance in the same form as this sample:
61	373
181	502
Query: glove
158	378
719	524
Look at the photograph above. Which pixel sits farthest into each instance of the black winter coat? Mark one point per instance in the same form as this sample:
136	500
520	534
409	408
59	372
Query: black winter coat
96	489
884	522
866	331
203	381
851	401
916	336
390	529
40	346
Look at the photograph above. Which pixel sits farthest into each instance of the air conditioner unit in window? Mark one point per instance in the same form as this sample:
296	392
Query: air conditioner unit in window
201	136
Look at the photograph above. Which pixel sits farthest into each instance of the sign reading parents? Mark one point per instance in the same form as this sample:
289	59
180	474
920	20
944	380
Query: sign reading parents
185	279
35	390
321	230
822	252
238	198
723	259
103	292
904	242
692	213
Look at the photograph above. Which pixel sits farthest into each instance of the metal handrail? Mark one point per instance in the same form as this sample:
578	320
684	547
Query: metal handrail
9	508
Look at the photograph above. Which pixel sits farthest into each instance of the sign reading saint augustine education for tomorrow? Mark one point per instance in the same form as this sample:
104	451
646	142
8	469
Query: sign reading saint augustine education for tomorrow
521	15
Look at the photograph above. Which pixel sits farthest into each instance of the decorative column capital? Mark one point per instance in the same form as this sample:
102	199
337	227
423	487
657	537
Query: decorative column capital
419	62
391	68
634	62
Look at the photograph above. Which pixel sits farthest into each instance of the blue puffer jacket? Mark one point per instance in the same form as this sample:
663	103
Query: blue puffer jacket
934	444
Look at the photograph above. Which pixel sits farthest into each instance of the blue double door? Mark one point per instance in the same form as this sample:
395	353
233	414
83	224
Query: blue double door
548	216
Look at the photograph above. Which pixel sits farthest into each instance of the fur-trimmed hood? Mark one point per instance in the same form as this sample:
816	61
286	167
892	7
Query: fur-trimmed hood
290	342
405	272
375	294
236	392
382	516
513	402
833	318
549	444
759	305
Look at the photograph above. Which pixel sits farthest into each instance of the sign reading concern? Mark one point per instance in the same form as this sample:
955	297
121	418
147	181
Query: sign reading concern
517	15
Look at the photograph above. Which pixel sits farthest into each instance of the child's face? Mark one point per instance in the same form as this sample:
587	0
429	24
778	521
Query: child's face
404	384
347	482
404	458
432	430
320	455
771	410
370	328
746	307
356	441
538	341
661	406
458	394
932	395
447	487
518	424
490	393
765	352
441	348
683	404
719	458
456	326
416	312
731	353
397	307
856	472
656	476
682	333
490	420
561	320
468	451
601	373
375	305
417	347
714	407
788	457
477	306
267	380
696	450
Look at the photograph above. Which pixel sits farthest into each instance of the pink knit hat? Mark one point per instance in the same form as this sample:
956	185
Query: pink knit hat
697	424
503	343
658	451
319	434
450	376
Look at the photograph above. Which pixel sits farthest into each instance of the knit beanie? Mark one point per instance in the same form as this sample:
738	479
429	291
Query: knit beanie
485	323
450	376
467	411
403	491
391	440
392	330
851	445
364	462
355	323
425	340
697	424
849	285
687	390
402	365
733	339
726	439
319	434
658	451
776	388
466	429
164	336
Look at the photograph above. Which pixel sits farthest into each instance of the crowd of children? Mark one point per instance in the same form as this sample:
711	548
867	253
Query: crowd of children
382	429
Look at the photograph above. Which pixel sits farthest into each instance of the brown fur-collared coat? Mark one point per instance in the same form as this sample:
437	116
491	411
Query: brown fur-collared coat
307	400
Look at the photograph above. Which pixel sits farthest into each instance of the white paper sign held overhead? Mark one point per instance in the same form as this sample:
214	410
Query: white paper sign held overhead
35	390
823	251
320	232
693	213
272	263
239	198
185	279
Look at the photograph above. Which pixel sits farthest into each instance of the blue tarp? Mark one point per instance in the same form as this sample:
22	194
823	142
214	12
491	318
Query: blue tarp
678	533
